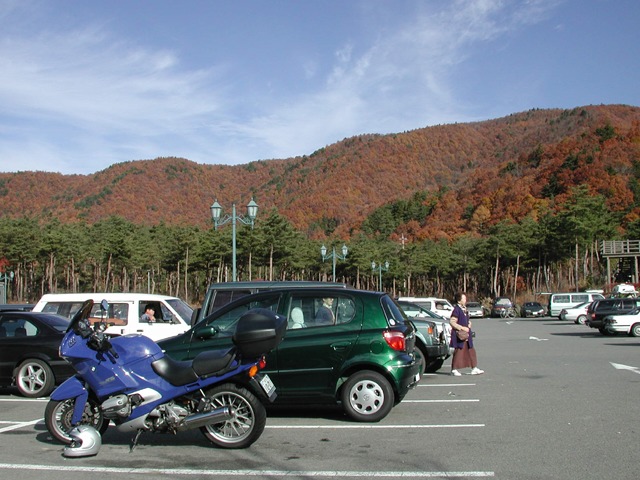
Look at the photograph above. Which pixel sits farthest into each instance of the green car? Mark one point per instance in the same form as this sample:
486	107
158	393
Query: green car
345	346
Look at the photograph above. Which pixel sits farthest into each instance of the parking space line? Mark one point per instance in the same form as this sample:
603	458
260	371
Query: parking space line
251	473
22	400
372	427
442	401
17	425
450	385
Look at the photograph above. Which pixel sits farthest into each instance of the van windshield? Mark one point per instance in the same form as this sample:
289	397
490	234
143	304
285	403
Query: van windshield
184	310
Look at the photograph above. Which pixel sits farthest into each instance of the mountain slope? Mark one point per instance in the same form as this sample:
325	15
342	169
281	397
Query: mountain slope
503	168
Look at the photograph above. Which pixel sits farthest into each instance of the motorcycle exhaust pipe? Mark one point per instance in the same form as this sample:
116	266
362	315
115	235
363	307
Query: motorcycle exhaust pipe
218	415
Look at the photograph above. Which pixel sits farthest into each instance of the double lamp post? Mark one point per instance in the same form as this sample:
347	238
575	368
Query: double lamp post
334	255
216	212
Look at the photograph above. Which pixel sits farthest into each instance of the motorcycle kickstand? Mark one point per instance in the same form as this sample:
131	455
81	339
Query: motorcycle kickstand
134	441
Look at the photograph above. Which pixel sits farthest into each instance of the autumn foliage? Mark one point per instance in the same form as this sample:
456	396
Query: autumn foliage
474	175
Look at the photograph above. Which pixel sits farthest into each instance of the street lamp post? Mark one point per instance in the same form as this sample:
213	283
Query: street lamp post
381	268
252	213
334	255
5	277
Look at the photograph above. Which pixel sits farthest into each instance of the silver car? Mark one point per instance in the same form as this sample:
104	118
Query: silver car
475	310
628	323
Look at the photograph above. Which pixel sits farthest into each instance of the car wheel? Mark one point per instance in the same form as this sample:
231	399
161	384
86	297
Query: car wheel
435	365
635	330
421	356
581	319
367	396
34	378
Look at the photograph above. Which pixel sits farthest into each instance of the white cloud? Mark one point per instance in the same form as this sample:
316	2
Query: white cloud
79	99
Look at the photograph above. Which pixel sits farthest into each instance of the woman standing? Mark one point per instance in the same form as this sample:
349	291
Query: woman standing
464	355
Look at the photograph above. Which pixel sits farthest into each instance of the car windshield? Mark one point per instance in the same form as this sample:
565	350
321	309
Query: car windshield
503	301
184	310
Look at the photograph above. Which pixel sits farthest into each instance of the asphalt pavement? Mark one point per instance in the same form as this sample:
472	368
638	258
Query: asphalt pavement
557	401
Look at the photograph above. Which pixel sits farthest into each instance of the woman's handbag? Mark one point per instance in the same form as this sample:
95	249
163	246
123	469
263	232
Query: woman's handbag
463	335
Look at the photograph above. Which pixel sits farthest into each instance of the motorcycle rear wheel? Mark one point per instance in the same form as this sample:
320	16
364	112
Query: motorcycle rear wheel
57	417
248	422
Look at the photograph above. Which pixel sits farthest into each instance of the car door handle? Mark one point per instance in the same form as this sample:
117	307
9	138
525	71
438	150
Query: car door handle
340	345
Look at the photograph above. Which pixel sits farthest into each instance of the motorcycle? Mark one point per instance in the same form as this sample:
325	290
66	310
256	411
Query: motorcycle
129	381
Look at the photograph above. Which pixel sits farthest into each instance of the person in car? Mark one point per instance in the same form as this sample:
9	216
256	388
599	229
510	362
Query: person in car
324	314
464	355
149	314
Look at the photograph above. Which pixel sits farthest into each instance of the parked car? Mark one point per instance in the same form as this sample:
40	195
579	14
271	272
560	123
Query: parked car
222	293
532	309
29	356
628	323
172	315
431	339
475	309
559	301
500	305
577	314
16	307
358	353
443	326
610	306
441	306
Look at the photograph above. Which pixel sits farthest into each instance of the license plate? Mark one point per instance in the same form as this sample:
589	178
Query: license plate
267	385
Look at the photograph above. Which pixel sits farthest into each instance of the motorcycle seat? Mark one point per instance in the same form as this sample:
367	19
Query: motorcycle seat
213	361
183	372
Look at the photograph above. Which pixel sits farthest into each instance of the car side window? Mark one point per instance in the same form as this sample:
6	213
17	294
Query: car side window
312	310
13	327
118	314
227	319
395	315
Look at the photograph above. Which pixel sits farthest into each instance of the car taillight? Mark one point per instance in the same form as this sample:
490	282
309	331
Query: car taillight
430	330
395	340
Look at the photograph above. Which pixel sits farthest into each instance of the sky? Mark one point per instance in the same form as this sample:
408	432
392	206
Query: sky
87	84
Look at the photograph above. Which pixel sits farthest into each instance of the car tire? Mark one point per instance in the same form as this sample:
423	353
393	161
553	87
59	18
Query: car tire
435	365
634	331
581	319
367	396
34	378
422	356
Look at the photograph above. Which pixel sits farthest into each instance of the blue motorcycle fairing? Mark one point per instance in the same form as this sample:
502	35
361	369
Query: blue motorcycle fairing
72	388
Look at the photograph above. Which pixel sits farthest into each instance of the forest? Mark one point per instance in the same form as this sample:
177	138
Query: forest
514	206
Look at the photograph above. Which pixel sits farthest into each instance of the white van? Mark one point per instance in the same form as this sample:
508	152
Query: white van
173	316
441	306
558	301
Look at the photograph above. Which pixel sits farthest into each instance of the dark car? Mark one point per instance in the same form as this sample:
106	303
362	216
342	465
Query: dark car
609	306
532	309
359	352
29	356
431	339
16	307
502	307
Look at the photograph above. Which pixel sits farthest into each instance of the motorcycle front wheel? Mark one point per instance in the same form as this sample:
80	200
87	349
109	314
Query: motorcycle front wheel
248	421
58	414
